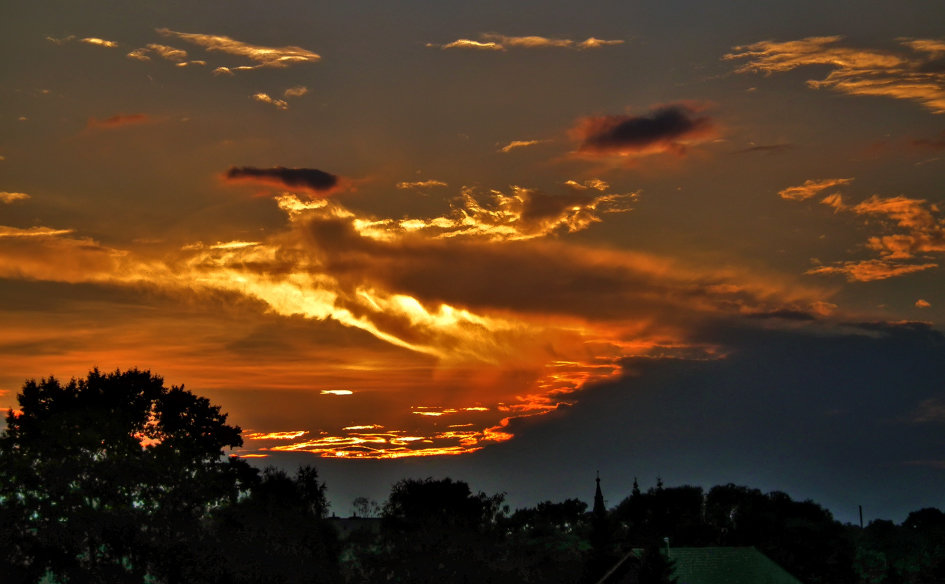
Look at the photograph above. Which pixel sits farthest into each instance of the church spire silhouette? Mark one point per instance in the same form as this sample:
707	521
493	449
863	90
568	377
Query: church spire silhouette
599	509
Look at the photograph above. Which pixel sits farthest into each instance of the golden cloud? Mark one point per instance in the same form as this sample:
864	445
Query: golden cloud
910	76
263	56
265	98
166	52
297	91
94	41
17	233
7	197
99	42
499	42
420	184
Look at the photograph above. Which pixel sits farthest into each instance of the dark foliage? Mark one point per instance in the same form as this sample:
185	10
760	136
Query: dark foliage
436	531
278	533
106	478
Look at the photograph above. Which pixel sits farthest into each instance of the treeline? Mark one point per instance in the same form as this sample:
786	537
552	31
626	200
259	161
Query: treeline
116	478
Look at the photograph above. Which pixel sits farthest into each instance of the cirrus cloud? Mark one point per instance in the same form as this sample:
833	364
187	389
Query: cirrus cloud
913	228
263	56
915	76
501	42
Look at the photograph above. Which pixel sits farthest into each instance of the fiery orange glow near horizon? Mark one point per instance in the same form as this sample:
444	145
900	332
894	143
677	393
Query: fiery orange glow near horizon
482	361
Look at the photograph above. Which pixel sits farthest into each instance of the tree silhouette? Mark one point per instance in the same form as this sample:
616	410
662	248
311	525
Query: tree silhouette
438	531
277	534
107	478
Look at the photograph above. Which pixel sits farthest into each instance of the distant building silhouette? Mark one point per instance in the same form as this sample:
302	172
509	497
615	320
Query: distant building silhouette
599	509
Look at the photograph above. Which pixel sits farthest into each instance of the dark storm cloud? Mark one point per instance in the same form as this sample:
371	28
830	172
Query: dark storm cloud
310	179
665	129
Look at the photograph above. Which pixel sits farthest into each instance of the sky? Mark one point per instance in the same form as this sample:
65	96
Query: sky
514	243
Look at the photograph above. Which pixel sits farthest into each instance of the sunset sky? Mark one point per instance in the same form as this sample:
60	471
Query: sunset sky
512	242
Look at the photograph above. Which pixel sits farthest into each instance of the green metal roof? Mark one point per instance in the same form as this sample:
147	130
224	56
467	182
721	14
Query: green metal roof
727	565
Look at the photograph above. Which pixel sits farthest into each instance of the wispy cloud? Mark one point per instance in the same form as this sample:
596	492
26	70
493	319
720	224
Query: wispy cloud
937	143
420	184
915	75
929	410
914	229
666	129
117	121
282	104
265	98
871	270
515	144
263	56
307	179
297	91
501	42
811	188
165	52
94	41
16	232
8	197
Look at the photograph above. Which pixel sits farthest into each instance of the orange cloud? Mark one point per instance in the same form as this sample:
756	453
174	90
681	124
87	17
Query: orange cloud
870	270
7	197
920	231
514	144
811	188
911	76
921	303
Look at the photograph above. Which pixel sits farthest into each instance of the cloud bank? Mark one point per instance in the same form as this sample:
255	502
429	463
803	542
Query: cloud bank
462	355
